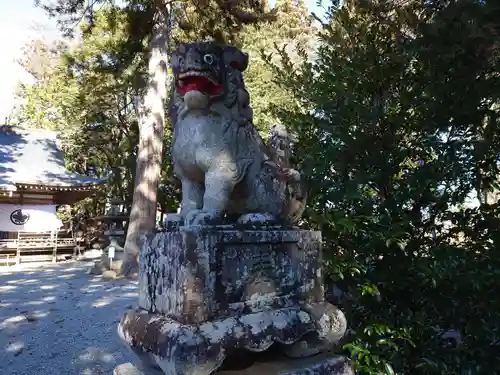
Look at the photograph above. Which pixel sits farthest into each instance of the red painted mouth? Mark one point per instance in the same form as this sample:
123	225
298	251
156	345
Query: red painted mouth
197	81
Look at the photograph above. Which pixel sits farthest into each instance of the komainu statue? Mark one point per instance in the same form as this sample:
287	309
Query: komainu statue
225	168
215	284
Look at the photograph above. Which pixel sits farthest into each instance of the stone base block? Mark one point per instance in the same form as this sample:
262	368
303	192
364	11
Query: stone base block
208	291
325	364
180	349
201	274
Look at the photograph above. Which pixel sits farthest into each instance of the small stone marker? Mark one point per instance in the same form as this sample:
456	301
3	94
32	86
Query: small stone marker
111	255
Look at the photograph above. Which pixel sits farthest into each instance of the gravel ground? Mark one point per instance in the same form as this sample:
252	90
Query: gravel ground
56	320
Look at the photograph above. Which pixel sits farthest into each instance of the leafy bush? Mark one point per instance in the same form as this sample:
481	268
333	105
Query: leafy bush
396	121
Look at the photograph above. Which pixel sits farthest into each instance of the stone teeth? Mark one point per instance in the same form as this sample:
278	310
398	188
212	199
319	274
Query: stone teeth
195	73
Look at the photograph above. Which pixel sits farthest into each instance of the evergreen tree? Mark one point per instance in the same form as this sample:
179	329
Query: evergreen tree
150	27
84	94
396	122
151	31
291	30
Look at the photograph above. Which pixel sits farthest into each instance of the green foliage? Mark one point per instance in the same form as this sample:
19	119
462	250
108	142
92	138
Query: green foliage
396	120
87	89
221	20
43	61
292	29
90	100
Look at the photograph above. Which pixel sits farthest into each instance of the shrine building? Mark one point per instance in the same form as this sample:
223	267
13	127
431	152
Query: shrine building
34	181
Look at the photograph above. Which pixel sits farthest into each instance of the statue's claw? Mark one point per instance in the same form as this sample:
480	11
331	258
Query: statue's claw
201	217
256	219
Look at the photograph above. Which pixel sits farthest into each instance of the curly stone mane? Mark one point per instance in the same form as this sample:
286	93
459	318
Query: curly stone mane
218	154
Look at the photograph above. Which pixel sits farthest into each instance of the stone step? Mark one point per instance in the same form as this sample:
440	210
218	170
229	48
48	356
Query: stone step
323	364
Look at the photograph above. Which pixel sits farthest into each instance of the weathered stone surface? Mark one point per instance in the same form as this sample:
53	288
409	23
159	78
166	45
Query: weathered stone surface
230	273
190	346
205	291
326	364
147	368
223	164
202	273
127	369
166	337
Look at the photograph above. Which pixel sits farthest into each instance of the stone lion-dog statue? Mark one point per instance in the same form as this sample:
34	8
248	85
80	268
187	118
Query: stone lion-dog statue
226	170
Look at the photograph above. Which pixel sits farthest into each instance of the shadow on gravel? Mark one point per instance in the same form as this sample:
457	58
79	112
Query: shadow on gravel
55	319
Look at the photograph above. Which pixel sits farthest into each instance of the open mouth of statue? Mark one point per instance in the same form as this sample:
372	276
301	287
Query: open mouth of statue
198	81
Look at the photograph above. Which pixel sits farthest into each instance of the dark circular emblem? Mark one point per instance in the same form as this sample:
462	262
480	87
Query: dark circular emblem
18	217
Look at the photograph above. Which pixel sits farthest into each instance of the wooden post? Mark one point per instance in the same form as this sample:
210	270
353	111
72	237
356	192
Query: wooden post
54	254
18	252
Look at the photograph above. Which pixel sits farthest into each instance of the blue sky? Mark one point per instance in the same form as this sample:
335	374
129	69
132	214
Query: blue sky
17	21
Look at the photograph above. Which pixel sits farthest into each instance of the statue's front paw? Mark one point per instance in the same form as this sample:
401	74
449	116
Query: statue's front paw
257	218
200	217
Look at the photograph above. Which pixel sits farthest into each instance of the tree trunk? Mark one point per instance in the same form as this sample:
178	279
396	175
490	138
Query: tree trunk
151	118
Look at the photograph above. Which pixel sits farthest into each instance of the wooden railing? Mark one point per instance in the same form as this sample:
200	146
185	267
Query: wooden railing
8	251
34	247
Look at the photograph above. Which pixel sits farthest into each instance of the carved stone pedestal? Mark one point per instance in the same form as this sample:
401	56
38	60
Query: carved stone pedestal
206	292
323	364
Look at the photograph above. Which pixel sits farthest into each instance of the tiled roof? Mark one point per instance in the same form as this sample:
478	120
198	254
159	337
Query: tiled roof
34	157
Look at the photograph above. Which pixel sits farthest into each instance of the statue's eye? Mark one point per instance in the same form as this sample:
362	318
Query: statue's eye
208	58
